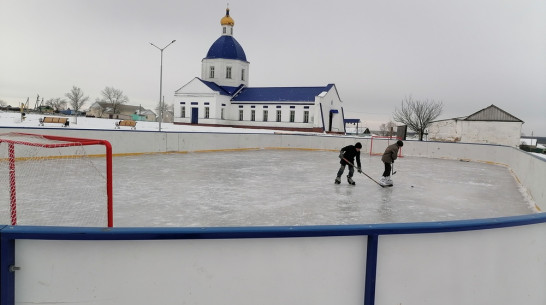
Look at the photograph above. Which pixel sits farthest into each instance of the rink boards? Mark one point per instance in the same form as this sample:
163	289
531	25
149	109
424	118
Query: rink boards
485	261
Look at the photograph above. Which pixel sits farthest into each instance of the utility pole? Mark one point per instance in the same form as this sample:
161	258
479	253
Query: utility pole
161	79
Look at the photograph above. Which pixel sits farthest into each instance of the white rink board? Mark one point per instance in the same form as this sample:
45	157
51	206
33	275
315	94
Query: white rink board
318	270
500	266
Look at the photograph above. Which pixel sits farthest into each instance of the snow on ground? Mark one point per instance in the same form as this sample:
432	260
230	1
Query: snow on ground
13	119
542	156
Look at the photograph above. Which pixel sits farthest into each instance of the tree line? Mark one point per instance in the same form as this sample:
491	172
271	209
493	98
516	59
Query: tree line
75	100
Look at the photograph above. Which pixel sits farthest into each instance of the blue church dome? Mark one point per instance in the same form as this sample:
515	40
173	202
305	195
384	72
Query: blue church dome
226	47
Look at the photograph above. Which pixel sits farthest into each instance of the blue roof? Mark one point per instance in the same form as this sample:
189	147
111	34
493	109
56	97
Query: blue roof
268	94
280	94
224	90
226	47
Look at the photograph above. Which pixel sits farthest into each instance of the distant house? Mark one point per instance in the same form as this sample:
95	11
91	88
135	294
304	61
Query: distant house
490	125
123	112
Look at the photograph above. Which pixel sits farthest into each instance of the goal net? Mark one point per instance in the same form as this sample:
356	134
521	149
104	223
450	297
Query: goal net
55	181
378	144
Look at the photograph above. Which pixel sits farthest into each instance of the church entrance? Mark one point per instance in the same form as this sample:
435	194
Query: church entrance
194	115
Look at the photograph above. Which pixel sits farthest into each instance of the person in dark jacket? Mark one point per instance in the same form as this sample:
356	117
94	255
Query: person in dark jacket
390	154
349	152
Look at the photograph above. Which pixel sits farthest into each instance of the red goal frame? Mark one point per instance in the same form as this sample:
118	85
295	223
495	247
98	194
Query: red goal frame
66	142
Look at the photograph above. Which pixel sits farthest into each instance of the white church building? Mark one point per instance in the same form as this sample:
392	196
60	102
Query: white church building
222	96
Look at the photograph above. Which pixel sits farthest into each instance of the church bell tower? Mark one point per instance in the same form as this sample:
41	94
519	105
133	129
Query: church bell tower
225	63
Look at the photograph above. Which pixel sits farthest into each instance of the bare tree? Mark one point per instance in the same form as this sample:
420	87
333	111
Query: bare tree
3	103
114	97
76	101
418	115
390	128
57	104
169	114
163	111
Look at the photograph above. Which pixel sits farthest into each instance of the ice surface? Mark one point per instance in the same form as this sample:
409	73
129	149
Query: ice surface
293	187
290	187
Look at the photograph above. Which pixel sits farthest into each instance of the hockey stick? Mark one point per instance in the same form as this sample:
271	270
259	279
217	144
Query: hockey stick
381	185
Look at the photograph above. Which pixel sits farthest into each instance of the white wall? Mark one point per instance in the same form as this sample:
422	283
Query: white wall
503	133
446	130
330	101
502	266
240	271
220	65
472	267
482	132
272	115
197	92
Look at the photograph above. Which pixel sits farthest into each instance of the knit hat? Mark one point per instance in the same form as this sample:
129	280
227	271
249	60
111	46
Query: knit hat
358	145
399	143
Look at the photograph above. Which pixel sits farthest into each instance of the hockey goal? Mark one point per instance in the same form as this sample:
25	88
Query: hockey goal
378	144
55	181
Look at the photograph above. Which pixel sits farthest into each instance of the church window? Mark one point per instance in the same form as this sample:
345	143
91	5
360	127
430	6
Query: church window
265	116
228	72
222	114
241	115
211	75
207	112
253	115
278	115
243	74
224	30
306	116
292	116
183	111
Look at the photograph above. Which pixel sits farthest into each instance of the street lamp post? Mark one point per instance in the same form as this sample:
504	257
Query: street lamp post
161	82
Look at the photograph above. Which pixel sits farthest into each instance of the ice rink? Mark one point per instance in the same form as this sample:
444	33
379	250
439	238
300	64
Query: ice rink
296	187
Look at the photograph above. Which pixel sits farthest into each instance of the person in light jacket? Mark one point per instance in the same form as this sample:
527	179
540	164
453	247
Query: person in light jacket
390	154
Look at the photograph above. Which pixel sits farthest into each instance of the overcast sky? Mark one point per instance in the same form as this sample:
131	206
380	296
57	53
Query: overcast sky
468	54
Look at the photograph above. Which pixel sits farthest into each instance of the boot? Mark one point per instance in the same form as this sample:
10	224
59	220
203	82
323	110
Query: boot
338	180
350	180
388	180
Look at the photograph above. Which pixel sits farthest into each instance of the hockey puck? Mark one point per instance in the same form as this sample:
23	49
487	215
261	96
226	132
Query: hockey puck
412	186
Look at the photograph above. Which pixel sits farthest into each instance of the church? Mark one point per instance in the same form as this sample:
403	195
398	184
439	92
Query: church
222	96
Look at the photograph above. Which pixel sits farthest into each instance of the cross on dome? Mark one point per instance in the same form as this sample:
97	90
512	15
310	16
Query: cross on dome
227	20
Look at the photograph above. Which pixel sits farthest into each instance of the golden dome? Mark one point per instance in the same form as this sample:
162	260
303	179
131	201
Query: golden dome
227	20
